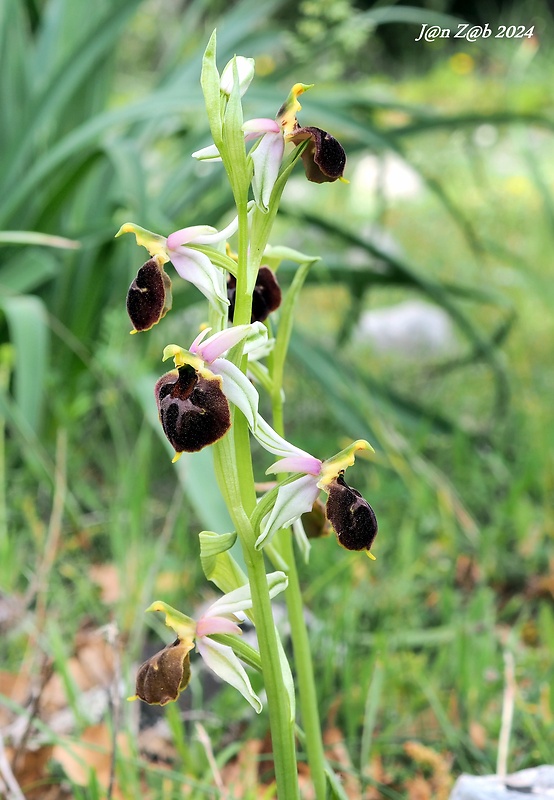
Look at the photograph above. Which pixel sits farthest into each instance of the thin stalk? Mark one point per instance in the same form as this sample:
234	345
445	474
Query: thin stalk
301	645
305	672
282	727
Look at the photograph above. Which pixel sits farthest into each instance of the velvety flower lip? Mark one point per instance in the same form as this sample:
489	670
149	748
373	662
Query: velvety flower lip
193	399
149	296
324	158
193	410
266	297
352	518
163	677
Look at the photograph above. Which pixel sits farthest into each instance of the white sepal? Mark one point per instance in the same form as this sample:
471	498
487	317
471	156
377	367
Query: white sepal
241	599
237	388
197	268
221	659
209	153
266	158
270	440
302	541
245	72
293	500
254	335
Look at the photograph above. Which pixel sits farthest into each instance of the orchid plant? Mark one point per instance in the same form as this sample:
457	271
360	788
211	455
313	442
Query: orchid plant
211	399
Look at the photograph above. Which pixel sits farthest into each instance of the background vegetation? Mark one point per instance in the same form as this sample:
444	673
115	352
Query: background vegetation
450	162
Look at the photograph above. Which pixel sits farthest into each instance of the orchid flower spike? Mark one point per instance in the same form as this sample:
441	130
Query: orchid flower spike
165	675
193	399
149	296
324	157
351	517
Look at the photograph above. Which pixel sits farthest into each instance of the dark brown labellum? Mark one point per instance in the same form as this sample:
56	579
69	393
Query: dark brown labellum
149	296
351	516
324	157
163	677
193	410
265	298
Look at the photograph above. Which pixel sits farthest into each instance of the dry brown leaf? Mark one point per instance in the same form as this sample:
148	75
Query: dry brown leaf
419	789
92	754
541	585
106	577
478	735
468	573
337	751
96	657
307	791
31	771
376	771
12	609
91	667
439	763
16	686
156	744
54	696
240	776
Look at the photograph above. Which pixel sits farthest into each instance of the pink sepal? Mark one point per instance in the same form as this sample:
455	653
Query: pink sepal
219	343
188	235
261	125
206	626
309	465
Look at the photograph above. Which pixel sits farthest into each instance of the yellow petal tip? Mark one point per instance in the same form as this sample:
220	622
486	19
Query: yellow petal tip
176	458
370	555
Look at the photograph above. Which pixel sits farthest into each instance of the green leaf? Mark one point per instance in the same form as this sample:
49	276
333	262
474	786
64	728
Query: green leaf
210	82
33	237
27	270
28	326
233	150
286	321
218	564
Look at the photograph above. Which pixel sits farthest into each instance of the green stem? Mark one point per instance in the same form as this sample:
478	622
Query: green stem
301	644
282	726
304	671
240	507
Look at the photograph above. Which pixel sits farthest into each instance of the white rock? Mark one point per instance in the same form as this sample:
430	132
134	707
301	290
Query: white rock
413	327
536	783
